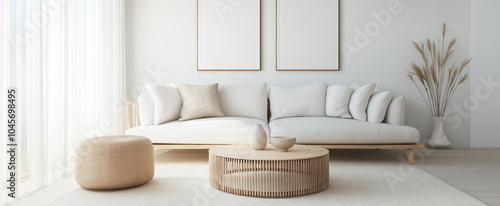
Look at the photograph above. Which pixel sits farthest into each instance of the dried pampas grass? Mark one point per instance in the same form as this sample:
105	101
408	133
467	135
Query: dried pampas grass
434	78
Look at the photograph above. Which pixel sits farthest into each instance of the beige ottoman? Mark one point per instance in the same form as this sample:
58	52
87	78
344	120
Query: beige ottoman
114	162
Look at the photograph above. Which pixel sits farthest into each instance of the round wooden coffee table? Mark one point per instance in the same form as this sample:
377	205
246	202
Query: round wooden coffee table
241	170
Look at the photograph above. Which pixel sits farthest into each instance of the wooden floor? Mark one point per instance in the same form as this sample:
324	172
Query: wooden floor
475	171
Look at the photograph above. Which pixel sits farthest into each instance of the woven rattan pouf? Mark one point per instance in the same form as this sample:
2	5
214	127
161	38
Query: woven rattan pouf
114	162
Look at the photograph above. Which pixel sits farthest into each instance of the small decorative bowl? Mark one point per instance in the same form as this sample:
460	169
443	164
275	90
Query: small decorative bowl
283	143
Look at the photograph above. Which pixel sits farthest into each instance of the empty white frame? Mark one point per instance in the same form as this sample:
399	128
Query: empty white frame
307	35
228	35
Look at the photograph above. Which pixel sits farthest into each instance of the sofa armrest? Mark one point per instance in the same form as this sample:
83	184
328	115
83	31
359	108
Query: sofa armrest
133	114
396	111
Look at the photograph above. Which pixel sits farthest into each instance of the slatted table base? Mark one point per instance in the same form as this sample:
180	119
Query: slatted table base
269	178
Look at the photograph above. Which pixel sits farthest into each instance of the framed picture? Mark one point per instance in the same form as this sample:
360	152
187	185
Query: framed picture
307	35
228	35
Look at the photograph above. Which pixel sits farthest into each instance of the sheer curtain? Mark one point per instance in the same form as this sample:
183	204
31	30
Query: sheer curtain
66	60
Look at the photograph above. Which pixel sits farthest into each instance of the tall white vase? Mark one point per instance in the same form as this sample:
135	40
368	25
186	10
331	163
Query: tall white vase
438	138
258	137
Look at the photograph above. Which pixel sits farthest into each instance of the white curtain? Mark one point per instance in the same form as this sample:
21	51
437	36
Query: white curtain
65	58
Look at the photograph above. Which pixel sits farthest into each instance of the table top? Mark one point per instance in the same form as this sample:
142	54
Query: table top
270	153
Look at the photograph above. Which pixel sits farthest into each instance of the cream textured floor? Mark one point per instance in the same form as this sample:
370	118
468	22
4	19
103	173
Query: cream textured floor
351	183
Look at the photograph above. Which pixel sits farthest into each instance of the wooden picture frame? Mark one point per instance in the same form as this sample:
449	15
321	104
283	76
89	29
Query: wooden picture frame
307	35
228	35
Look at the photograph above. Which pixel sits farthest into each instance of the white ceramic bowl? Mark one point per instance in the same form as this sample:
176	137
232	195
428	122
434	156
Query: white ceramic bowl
283	143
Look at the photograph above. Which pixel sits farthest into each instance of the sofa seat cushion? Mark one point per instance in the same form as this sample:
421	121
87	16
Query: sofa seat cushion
326	130
216	130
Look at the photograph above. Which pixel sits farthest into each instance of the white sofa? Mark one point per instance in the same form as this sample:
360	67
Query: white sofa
301	112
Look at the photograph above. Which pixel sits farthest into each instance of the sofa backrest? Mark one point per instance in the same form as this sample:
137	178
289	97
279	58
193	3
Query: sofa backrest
251	101
297	101
244	101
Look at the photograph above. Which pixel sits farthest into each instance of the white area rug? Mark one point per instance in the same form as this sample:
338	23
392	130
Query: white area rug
374	184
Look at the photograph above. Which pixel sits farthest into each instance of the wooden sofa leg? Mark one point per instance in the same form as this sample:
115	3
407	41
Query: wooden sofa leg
409	153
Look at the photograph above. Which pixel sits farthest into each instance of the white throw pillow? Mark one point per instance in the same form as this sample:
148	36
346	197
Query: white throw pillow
146	111
299	101
337	101
396	111
377	106
167	102
359	101
244	100
199	101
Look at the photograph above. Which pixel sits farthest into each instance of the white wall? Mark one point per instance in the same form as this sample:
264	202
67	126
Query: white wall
485	49
161	47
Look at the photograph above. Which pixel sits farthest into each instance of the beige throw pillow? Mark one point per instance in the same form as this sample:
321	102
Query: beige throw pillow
199	101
